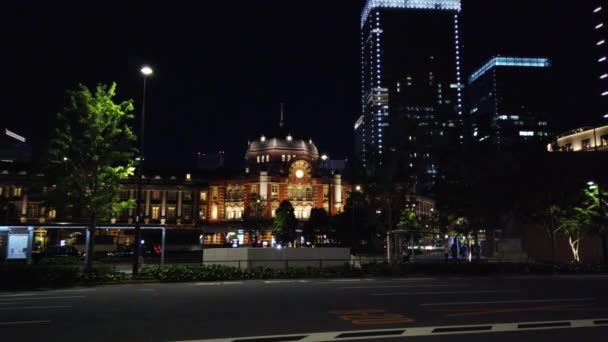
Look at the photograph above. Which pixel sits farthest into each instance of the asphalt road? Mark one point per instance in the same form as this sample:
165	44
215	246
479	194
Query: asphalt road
413	309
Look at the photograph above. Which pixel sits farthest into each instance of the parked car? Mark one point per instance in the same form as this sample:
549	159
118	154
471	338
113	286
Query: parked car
126	251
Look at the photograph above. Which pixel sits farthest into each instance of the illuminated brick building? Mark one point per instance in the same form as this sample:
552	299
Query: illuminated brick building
278	168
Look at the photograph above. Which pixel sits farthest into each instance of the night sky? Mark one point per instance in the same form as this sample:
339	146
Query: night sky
223	67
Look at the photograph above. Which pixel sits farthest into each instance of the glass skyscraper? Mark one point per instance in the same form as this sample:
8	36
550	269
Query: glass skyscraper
510	99
600	23
411	82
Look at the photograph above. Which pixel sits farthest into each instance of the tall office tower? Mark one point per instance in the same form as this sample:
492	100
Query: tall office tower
600	22
510	99
411	84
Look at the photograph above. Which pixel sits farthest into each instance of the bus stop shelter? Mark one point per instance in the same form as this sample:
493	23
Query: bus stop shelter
19	239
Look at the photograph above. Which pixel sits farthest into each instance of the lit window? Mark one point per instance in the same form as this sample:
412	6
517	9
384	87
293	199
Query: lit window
599	26
601	42
155	213
597	9
203	196
16	191
274	192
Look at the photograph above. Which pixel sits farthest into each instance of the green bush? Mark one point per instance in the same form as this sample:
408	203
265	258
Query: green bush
60	261
33	277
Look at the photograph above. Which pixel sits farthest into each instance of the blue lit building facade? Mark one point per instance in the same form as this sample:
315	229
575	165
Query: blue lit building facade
411	83
510	101
600	23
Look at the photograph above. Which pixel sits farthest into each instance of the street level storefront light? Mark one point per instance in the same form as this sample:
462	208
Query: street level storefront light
591	183
146	70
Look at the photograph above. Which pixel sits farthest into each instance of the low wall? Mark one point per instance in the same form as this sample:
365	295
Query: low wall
277	258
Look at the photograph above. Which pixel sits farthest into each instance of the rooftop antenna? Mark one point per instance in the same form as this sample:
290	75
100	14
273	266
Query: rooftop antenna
282	122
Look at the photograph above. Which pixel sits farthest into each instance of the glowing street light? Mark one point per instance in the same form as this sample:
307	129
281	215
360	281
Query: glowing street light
324	157
146	70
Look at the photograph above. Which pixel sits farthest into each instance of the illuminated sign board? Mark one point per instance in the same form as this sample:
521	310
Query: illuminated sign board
14	135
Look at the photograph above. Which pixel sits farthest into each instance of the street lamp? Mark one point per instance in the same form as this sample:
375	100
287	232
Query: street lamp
146	72
325	159
600	210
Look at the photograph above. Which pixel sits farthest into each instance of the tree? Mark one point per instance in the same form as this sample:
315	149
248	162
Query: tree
358	222
92	150
253	217
285	223
318	224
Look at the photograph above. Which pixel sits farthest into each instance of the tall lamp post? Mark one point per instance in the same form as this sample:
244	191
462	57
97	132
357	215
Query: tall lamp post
325	159
146	72
600	211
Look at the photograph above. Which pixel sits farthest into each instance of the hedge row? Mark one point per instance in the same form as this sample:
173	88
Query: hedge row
55	276
19	277
182	273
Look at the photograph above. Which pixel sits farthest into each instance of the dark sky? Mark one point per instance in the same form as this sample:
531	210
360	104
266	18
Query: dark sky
223	67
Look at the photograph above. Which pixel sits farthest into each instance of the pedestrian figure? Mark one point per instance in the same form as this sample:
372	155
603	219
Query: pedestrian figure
454	251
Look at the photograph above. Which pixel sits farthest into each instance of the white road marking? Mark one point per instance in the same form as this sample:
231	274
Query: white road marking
555	300
38	307
284	281
219	283
400	286
441	293
40	298
42	293
349	280
24	322
420	331
414	279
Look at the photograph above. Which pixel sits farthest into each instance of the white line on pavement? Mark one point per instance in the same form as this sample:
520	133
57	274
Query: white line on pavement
419	331
38	307
24	322
414	279
284	281
554	300
349	280
400	286
40	298
219	283
42	293
441	293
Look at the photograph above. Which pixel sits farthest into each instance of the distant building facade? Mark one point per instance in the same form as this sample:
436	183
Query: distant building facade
411	93
277	168
600	23
510	100
581	140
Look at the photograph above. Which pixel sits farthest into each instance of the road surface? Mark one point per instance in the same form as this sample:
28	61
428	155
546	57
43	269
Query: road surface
559	308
